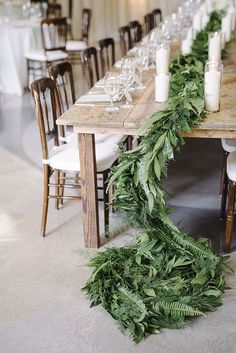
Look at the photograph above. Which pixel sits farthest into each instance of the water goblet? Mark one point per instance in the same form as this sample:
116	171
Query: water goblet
112	87
127	79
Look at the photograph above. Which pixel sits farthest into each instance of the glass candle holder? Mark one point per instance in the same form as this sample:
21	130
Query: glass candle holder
162	58
212	85
214	46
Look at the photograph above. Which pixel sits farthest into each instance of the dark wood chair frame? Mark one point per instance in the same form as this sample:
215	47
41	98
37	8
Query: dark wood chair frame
86	22
62	24
54	10
125	39
136	32
157	17
107	54
148	23
90	66
57	72
76	55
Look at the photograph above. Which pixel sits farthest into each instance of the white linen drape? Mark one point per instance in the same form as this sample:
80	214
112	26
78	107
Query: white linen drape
109	15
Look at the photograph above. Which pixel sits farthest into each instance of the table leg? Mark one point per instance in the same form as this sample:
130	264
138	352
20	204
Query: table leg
88	175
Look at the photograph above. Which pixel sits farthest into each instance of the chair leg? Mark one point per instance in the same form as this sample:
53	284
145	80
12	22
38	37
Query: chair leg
28	74
62	188
224	196
106	202
223	171
45	200
129	143
57	190
230	216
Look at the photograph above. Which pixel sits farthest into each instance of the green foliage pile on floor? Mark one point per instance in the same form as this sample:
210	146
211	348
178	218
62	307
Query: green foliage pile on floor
166	277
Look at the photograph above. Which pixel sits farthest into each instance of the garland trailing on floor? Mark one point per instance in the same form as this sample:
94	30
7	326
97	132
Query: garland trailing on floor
167	276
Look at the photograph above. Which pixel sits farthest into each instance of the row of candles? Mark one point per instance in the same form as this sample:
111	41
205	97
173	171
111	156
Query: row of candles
213	67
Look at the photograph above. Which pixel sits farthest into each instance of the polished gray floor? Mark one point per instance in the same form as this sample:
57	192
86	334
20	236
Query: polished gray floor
42	307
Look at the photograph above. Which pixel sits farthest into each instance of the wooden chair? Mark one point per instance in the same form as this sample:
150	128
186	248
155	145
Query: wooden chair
90	66
148	23
64	158
53	32
136	32
228	146
74	47
231	174
157	17
107	54
54	10
125	39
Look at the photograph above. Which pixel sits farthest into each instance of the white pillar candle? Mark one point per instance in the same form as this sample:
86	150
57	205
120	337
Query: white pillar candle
231	10
190	34
214	46
162	82
209	6
197	22
162	59
226	26
212	90
186	46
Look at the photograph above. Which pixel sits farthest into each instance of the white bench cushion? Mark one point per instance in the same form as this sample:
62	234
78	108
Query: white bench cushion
66	157
39	55
75	45
231	166
229	145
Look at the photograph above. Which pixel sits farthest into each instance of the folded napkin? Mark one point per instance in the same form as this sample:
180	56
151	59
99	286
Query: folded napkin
93	98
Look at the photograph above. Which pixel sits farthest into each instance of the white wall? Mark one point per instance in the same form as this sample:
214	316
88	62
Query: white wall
109	15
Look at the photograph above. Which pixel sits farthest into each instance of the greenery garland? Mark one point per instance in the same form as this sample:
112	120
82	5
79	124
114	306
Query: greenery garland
167	276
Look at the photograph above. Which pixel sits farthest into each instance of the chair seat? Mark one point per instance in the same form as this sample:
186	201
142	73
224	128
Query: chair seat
39	55
228	145
231	166
66	157
75	45
99	138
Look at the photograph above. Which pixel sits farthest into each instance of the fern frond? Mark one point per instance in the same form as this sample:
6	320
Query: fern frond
177	309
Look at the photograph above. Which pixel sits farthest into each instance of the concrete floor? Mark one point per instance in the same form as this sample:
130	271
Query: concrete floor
42	307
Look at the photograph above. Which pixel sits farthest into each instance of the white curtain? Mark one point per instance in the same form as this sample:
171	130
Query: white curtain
109	15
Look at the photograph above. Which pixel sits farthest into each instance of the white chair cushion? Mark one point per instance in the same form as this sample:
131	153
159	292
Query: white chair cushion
66	157
75	45
229	145
99	138
231	166
39	55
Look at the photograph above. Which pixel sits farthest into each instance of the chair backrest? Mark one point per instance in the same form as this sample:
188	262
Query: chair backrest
54	33
107	54
125	39
45	97
62	75
54	10
90	65
148	22
157	17
136	32
86	20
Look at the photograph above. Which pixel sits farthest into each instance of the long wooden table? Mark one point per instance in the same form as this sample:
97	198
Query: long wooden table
88	121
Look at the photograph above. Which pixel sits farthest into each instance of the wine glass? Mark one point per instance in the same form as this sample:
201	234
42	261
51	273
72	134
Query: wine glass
141	61
127	79
112	87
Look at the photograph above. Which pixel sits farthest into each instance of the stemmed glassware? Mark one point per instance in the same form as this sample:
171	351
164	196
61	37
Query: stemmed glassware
141	63
112	88
127	79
